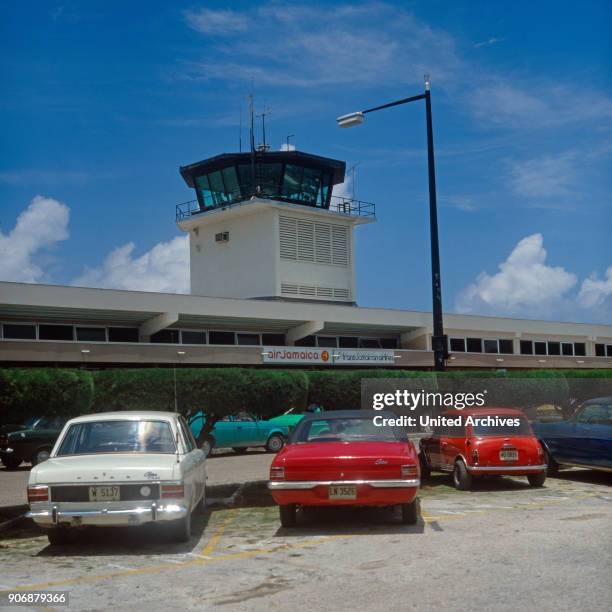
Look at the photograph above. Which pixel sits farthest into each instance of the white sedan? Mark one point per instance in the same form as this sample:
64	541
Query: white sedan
119	468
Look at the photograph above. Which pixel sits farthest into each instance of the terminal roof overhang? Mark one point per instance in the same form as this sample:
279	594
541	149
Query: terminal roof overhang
153	311
192	171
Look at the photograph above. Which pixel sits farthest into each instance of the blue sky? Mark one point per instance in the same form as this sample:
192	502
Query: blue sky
103	101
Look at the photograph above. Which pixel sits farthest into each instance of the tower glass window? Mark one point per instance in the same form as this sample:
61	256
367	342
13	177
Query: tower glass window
289	176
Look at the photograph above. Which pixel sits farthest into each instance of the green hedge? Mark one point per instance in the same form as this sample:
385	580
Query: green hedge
27	392
44	391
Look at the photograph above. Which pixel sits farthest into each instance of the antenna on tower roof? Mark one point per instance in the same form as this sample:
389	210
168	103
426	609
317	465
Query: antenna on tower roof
264	113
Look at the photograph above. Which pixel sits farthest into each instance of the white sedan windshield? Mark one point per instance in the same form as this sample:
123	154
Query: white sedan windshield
97	437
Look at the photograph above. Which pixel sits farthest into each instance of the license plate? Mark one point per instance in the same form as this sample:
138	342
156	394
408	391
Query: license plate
102	494
342	492
508	455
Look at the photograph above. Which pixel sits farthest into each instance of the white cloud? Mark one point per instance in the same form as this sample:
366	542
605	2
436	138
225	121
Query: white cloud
596	292
373	44
524	285
512	104
219	22
40	226
356	45
550	176
164	268
287	146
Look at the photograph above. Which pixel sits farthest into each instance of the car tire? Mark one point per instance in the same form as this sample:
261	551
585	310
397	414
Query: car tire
42	454
11	463
208	445
536	480
287	515
410	513
275	443
239	450
425	469
180	530
553	466
462	480
59	536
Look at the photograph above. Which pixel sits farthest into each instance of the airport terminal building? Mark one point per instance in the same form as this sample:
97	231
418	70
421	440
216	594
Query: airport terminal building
272	284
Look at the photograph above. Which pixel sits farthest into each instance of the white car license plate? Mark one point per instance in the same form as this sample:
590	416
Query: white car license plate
342	492
508	455
101	494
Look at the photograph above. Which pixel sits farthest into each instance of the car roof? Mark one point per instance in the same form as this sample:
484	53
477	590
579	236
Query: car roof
126	415
348	414
598	400
486	410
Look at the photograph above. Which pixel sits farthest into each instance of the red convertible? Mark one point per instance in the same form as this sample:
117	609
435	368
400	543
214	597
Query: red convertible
340	458
479	442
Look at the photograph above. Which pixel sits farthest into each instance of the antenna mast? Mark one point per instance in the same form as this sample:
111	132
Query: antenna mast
251	115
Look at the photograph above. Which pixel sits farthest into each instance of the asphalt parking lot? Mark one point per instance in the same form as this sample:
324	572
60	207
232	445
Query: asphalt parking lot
503	546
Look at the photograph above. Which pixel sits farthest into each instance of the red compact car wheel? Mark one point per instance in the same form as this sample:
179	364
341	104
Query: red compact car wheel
461	477
287	515
536	480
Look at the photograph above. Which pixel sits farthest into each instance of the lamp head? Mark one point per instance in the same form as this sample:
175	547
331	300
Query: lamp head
350	120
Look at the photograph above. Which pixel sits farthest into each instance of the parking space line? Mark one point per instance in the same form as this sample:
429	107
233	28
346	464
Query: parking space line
174	565
214	540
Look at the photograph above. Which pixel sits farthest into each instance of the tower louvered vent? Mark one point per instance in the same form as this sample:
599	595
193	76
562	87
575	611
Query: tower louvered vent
314	242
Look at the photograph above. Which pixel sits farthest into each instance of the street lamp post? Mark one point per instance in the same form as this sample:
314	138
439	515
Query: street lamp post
353	119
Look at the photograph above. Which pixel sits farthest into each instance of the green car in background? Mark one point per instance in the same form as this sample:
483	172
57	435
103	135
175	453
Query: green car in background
31	441
239	432
291	418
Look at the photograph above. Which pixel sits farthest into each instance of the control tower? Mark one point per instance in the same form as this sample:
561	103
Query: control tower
266	225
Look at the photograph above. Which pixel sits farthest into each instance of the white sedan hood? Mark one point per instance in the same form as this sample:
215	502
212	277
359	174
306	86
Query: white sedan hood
115	467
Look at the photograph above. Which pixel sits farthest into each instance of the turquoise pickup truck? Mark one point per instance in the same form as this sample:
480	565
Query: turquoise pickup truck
239	432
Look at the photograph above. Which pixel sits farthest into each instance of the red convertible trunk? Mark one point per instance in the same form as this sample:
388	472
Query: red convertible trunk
372	473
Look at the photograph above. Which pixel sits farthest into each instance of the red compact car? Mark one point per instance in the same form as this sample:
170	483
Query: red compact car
483	442
341	458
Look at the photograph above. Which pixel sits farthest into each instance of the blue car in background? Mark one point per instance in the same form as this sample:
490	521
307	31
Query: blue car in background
240	432
584	440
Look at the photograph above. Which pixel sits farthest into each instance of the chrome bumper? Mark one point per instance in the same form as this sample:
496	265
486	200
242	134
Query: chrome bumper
292	485
507	468
126	516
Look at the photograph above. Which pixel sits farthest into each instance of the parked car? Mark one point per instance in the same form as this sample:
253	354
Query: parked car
584	440
240	432
341	458
31	442
292	417
470	451
119	469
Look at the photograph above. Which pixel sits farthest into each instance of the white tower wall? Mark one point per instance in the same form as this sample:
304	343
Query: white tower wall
273	250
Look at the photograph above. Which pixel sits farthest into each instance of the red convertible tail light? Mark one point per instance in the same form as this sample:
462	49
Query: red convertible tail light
38	493
408	471
277	473
540	452
475	456
172	491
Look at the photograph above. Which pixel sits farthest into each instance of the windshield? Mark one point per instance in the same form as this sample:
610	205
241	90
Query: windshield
505	429
97	437
345	430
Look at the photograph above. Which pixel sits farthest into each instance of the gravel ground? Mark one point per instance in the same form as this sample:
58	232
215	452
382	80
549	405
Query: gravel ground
502	546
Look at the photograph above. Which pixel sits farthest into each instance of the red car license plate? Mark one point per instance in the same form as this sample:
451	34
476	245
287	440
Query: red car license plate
508	454
342	492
